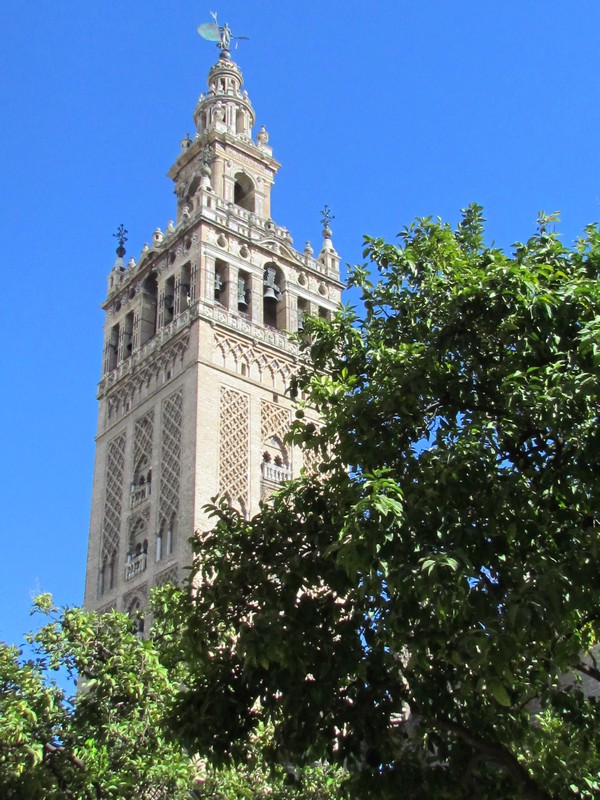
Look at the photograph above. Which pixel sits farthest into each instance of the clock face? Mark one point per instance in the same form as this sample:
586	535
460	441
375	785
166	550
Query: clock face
210	31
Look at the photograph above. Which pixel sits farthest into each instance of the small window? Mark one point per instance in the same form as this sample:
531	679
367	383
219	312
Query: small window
169	301
243	192
147	327
113	347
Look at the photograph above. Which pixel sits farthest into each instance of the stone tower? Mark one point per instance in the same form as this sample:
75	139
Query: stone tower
196	355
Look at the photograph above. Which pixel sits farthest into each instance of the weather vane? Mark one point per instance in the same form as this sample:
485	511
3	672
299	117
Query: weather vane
121	237
221	34
326	216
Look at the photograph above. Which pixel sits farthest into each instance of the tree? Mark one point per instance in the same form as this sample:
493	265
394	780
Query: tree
109	740
112	739
423	608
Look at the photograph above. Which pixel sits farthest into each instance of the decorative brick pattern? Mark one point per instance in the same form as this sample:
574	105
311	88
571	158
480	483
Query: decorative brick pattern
142	439
167	576
233	353
233	447
274	421
113	499
170	466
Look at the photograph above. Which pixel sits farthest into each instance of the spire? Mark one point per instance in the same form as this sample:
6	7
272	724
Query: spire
225	108
326	217
328	255
117	274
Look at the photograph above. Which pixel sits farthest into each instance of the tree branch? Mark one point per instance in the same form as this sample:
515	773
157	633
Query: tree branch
528	787
52	749
587	669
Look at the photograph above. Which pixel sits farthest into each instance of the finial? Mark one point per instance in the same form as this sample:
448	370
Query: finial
121	237
221	34
326	217
262	136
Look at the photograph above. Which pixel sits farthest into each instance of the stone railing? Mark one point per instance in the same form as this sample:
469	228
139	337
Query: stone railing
135	566
275	473
243	324
139	494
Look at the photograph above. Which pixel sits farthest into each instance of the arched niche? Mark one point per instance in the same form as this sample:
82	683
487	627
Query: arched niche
243	192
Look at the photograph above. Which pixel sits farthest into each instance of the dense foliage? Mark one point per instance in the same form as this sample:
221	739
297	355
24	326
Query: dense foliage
421	611
101	743
111	740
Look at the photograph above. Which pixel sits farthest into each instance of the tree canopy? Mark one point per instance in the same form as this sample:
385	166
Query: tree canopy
111	740
422	608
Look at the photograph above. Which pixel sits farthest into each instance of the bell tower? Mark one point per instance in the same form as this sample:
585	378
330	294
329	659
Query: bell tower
197	356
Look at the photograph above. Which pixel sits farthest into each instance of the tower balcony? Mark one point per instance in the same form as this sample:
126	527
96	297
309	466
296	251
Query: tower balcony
135	566
139	494
275	473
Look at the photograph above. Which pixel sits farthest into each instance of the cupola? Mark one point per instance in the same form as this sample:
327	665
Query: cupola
225	108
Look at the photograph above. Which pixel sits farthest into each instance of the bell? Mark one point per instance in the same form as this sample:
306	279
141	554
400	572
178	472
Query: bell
270	294
219	284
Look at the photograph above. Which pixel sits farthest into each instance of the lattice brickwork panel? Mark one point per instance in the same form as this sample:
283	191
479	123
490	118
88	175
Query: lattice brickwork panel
233	448
113	500
274	421
167	576
172	419
142	439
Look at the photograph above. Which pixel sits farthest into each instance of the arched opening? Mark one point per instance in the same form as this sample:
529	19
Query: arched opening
244	297
169	300
137	554
303	311
135	611
193	188
149	303
141	485
275	466
159	545
106	576
185	287
220	281
240	121
273	306
128	335
171	535
243	192
113	347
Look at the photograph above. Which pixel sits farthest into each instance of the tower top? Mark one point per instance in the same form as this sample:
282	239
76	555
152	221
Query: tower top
221	34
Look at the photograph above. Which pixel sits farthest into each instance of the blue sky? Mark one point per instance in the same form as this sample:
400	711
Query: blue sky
384	110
